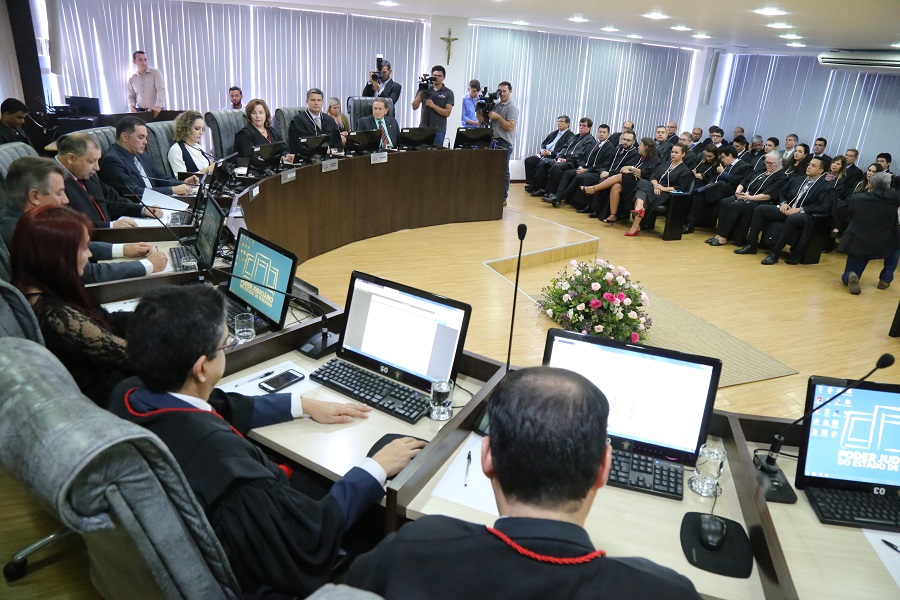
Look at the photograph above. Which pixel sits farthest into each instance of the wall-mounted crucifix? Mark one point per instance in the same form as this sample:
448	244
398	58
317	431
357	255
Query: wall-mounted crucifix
449	39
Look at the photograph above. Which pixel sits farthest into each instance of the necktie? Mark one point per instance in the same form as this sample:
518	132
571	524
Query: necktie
385	140
319	121
142	172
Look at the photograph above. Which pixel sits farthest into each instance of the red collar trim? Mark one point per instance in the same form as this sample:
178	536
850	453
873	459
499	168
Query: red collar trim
575	560
160	411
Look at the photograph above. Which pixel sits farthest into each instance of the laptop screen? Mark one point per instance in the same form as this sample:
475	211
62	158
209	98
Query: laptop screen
265	263
660	401
410	335
210	229
855	440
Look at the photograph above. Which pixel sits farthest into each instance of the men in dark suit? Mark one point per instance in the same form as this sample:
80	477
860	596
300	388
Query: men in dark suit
544	490
386	88
79	154
555	141
626	126
801	198
716	137
587	172
663	145
854	173
758	162
705	203
278	541
34	182
312	121
672	133
128	168
742	146
379	120
12	116
872	233
578	147
818	149
691	158
790	142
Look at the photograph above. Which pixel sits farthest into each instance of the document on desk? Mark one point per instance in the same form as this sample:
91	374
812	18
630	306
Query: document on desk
153	198
889	556
478	494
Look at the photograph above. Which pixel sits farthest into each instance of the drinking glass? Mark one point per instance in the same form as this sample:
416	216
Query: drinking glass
441	400
243	327
710	463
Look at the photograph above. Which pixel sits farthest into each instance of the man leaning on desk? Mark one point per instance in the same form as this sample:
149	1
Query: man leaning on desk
279	541
547	458
128	169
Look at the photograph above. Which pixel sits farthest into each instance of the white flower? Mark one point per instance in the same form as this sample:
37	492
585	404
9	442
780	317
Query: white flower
642	320
632	315
627	301
641	327
570	313
550	312
600	261
573	262
644	298
577	273
608	277
563	285
566	297
620	280
619	316
598	328
580	306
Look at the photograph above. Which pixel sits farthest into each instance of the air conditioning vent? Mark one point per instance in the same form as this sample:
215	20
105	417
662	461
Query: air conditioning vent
877	62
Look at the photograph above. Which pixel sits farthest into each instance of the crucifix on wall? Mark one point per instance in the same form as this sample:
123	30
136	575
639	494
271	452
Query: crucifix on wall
449	39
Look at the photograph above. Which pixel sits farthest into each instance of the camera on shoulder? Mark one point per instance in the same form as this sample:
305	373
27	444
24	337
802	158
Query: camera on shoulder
487	103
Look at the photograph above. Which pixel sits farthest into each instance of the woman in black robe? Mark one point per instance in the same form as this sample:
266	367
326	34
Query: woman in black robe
673	176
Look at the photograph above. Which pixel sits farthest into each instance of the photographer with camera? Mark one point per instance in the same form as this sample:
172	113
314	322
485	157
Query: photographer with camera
438	100
380	84
503	116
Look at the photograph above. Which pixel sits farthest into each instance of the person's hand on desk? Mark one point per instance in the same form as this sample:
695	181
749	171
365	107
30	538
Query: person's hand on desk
158	260
138	250
394	457
123	223
192	180
153	211
334	412
183	189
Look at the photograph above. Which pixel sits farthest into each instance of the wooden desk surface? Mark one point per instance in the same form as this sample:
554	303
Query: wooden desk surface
826	561
332	450
628	523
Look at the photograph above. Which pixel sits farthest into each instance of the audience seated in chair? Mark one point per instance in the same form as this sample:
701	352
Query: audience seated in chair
672	176
548	172
555	142
705	203
587	172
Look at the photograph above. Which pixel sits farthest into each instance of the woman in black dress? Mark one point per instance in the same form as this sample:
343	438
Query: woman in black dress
705	171
735	212
799	162
670	177
258	131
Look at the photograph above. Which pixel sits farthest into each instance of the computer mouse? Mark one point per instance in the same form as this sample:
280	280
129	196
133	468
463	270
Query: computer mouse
712	531
387	439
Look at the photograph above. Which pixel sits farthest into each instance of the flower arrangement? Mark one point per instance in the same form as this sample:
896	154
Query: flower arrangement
597	298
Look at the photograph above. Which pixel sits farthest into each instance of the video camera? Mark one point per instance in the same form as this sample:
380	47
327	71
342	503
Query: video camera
426	85
487	103
375	75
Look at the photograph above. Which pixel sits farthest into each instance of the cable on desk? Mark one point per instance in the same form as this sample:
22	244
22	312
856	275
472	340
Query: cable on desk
465	390
784	454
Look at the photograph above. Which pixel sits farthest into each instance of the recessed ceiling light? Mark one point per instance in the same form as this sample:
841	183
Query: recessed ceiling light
780	26
520	22
578	19
790	36
609	28
387	3
655	15
770	12
702	36
634	36
680	28
897	45
796	45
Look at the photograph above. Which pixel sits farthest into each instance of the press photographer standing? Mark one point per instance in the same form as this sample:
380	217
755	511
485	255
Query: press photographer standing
438	103
503	124
380	83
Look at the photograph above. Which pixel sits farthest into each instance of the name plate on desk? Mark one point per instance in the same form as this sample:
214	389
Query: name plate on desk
288	176
329	165
379	157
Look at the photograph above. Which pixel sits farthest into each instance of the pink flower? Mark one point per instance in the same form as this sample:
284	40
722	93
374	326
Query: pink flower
598	328
635	337
620	296
595	304
580	306
595	286
566	297
609	297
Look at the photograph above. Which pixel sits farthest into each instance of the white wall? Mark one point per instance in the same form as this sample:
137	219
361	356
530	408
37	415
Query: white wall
710	114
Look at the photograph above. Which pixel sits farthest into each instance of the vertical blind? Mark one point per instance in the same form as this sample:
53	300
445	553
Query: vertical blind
778	95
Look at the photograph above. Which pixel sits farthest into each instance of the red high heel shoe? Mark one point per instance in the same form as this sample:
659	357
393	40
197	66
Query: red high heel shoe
635	234
639	213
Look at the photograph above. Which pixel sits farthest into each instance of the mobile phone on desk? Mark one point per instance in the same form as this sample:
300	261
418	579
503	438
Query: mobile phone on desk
278	382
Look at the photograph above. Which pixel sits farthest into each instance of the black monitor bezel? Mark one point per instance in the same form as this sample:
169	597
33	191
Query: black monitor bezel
84	106
390	371
319	150
274	325
419	140
466	138
210	201
259	163
364	141
618	443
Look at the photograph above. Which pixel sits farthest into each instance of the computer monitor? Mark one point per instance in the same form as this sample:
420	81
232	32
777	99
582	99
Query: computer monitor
362	142
312	149
660	401
416	138
854	442
223	172
263	262
472	138
209	231
84	107
406	334
266	158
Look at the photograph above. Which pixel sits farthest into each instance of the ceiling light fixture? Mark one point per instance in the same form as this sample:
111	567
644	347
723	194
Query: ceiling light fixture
790	36
680	28
634	36
702	36
578	19
770	12
796	45
780	26
897	45
387	3
520	22
609	28
655	15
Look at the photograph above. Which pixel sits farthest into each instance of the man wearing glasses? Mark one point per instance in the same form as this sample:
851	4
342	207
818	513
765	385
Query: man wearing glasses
438	104
548	174
555	141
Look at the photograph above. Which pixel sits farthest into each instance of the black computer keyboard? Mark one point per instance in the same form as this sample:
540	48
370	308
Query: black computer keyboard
855	508
233	309
180	218
646	474
178	254
374	390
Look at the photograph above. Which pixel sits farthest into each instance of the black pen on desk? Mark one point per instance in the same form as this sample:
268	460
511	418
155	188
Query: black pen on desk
890	545
468	464
258	377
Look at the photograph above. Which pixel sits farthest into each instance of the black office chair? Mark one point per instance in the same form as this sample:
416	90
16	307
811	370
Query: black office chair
283	116
160	137
104	136
223	125
676	209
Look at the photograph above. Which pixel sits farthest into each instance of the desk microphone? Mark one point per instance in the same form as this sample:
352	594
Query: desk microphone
204	153
772	479
522	230
317	346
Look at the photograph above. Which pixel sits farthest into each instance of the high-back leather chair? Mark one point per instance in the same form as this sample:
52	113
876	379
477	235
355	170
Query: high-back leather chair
361	106
283	118
104	136
223	125
160	137
111	481
8	154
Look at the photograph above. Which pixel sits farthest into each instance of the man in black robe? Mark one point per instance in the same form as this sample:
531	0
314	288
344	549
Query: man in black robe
276	538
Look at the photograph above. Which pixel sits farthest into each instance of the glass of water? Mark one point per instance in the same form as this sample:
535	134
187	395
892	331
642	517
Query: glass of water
441	400
710	463
243	327
189	264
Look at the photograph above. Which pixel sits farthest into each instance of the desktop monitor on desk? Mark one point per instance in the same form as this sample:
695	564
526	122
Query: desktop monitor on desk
473	138
265	263
81	106
266	158
660	401
416	138
363	142
210	230
312	149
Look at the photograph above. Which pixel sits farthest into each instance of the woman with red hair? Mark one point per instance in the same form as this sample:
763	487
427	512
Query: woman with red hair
48	254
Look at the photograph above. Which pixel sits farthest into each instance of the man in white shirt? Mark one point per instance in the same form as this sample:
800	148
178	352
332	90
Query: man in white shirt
146	88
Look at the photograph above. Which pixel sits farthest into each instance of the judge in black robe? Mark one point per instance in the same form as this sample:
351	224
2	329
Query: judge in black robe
736	212
250	136
673	176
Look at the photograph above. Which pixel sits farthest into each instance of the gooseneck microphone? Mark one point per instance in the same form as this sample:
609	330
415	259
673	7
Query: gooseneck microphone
522	230
774	483
204	153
